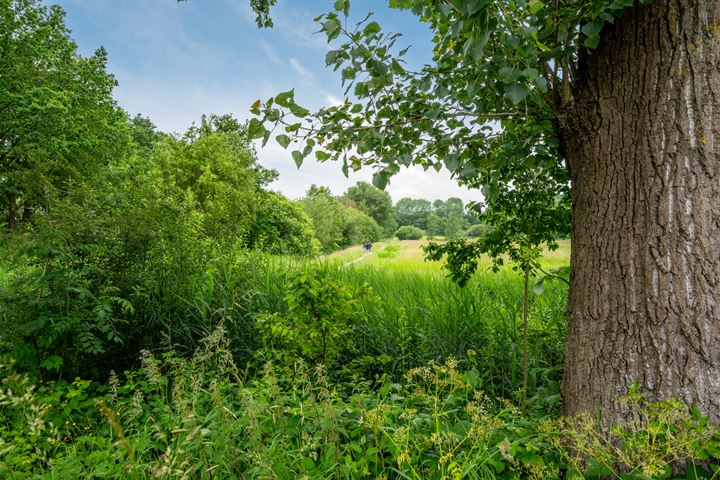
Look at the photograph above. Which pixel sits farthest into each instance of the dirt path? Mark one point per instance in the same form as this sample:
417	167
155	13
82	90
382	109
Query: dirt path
362	257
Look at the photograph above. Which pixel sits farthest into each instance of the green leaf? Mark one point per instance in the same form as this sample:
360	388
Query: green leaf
535	6
516	92
256	129
284	99
298	157
298	111
283	140
293	128
322	156
474	6
490	191
380	179
592	42
592	28
538	286
331	57
475	46
452	163
371	28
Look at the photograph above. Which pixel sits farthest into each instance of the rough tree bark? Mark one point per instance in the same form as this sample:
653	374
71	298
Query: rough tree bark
642	135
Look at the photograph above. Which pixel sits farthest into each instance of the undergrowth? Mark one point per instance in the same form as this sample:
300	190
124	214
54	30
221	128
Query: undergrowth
197	417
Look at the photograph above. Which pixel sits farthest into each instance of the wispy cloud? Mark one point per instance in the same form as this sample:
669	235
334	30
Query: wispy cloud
301	70
271	53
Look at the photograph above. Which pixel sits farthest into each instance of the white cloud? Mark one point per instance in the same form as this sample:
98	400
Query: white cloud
301	70
332	100
410	182
271	53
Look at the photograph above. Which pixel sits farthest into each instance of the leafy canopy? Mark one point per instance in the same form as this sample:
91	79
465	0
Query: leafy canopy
58	120
488	108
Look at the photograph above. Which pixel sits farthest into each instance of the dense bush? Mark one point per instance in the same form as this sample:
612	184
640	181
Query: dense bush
113	266
360	228
409	233
476	231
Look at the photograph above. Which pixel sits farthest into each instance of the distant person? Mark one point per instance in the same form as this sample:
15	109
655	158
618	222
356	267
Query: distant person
369	247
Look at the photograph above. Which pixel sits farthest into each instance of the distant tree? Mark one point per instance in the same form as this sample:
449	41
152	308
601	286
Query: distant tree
376	203
360	227
328	217
413	211
454	227
476	231
435	224
409	232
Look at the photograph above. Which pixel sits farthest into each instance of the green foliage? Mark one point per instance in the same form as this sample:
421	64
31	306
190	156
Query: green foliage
360	227
318	325
375	203
476	231
414	212
389	251
649	445
196	418
60	122
328	217
108	270
409	233
281	227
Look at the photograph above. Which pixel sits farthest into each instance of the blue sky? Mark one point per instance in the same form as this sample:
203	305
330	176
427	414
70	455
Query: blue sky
175	61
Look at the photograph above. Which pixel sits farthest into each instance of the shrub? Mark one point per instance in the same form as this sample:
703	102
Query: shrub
318	325
390	251
476	231
408	232
359	228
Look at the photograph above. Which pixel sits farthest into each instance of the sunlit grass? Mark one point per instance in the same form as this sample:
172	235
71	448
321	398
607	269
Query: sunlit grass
410	257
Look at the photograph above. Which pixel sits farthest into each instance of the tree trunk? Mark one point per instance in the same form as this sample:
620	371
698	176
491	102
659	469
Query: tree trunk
642	135
12	203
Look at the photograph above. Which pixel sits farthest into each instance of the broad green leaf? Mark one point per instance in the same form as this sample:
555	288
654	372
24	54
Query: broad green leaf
256	129
380	179
592	42
298	157
452	163
372	27
592	28
283	140
516	92
535	6
331	57
293	128
284	99
298	111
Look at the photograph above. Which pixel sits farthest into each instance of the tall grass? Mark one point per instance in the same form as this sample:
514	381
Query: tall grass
417	315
